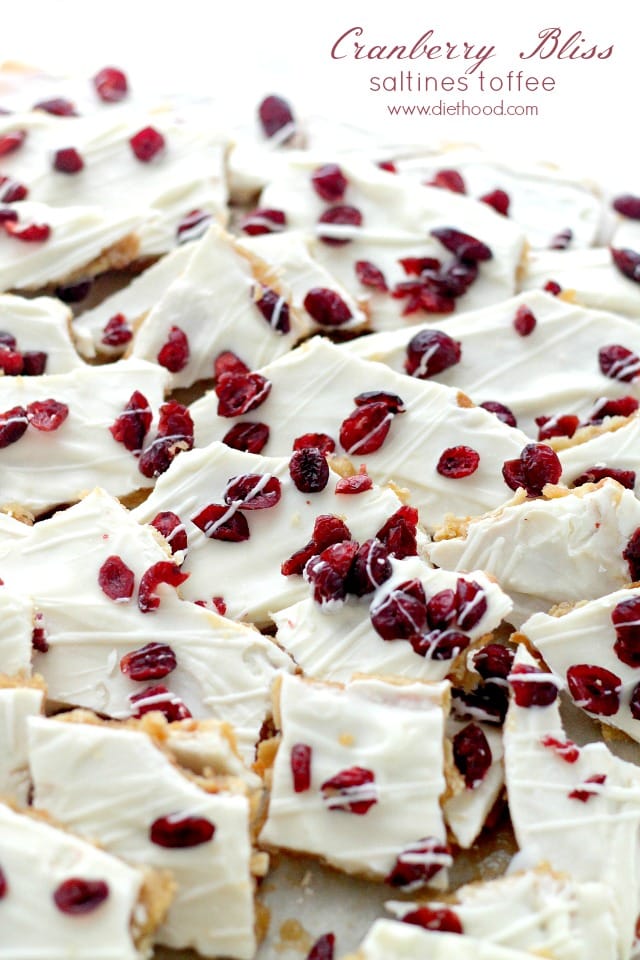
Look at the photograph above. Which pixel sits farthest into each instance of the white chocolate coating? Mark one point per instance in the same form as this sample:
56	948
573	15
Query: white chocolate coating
16	627
209	746
618	449
393	940
41	324
16	705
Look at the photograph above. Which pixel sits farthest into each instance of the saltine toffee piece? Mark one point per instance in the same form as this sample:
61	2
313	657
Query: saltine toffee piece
249	529
20	698
144	808
538	911
116	636
567	547
224	300
477	755
35	337
589	832
471	254
394	940
89	903
404	430
550	380
609	449
361	790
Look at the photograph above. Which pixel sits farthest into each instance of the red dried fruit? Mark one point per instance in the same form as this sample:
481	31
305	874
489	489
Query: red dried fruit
493	661
228	362
4	886
11	191
193	225
324	443
327	530
251	437
329	182
117	331
47	415
416	266
7	215
634	702
151	662
172	529
57	106
77	896
32	233
263	220
116	579
627	262
221	522
488	702
39	635
537	465
253	491
561	240
431	352
584	794
394	403
219	605
359	483
552	287
616	407
238	393
351	791
399	533
132	426
323	948
401	613
442	610
625	617
501	412
179	830
34	363
111	84
301	767
472	755
561	426
497	199
440	645
160	699
567	750
595	689
370	568
419	863
388	165
626	478
370	276
421	296
174	354
328	571
448	180
8	340
175	434
340	216
276	115
365	430
631	554
275	310
74	292
463	245
13	424
471	603
537	691
524	321
628	205
12	141
11	362
68	160
147	144
161	572
619	363
326	307
309	470
442	919
458	462
457	277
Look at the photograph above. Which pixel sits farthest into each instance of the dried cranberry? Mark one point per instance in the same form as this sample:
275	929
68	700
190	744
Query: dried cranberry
388	165
161	699
117	331
448	180
471	603
172	529
57	106
322	441
370	276
161	572
68	160
458	462
329	182
565	749
537	465
47	415
365	430
151	662
32	233
628	205
619	363
359	483
238	393
562	239
221	522
327	530
193	225
534	692
501	412
472	755
11	191
631	554
340	216
13	424
489	702
399	533
147	144
524	321
552	287
301	767
419	863
493	661
440	644
394	403
77	896
116	579
441	919
616	407
228	362
275	310
431	352
327	572
74	292
415	266
634	702
34	363
219	605
11	141
4	886
8	340
562	426
351	791
457	277
323	948
626	620
11	362
584	794
275	115
7	215
498	199
178	830
251	437
39	639
132	426
174	354
595	689
626	478
421	296
627	262
175	433
263	220
463	245
309	470
253	491
111	84
326	307
370	568
401	613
